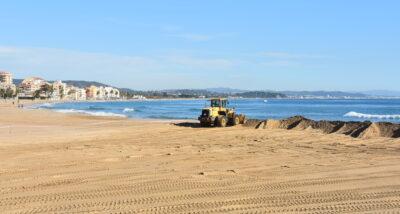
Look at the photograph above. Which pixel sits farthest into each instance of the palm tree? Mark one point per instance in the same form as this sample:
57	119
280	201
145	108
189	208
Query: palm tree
2	93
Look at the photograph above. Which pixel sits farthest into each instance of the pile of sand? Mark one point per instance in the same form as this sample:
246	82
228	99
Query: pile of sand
381	129
252	123
353	129
291	122
364	129
305	124
328	127
288	123
271	124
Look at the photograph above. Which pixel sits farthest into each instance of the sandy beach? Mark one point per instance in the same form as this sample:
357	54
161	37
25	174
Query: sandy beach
65	163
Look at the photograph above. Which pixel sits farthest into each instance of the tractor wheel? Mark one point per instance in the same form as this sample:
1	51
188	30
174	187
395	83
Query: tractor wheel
221	121
235	120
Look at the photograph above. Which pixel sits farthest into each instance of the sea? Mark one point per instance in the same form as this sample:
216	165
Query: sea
316	109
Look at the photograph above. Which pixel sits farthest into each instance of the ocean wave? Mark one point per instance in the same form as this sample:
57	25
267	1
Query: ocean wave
373	116
92	113
128	110
43	106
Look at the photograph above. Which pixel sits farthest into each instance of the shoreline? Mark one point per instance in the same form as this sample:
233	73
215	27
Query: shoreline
355	129
27	108
351	116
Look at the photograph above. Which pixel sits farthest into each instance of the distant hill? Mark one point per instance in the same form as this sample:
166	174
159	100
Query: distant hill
223	90
84	84
193	92
17	81
261	94
338	94
382	93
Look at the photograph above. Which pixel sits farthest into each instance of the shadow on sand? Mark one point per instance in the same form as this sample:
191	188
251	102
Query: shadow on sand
188	124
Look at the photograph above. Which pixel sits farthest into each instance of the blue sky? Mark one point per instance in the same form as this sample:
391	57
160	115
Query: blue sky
278	45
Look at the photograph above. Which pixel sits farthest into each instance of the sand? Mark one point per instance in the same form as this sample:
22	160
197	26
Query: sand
61	163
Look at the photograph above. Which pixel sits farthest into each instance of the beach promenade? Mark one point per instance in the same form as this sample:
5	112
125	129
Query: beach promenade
64	163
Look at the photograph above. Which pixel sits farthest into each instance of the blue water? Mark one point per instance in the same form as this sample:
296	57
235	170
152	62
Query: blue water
357	110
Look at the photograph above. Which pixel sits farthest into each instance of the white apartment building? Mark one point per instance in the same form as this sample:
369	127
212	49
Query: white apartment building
75	93
59	90
6	81
6	78
107	93
111	93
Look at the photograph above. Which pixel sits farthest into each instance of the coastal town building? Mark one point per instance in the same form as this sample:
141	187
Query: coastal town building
32	84
138	97
102	93
59	89
6	84
111	93
74	93
70	92
80	94
35	87
6	78
92	92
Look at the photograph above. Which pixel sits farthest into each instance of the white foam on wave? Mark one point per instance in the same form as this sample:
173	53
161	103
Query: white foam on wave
372	116
47	105
41	106
128	110
92	113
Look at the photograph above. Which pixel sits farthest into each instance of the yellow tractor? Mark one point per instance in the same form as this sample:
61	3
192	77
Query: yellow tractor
219	115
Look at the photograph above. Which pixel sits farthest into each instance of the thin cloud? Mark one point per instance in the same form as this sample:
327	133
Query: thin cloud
193	37
277	63
180	32
289	56
203	63
171	28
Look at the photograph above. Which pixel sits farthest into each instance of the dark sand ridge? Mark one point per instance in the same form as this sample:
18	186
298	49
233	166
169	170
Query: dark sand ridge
364	129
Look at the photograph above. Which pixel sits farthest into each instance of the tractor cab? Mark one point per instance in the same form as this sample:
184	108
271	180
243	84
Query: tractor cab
218	102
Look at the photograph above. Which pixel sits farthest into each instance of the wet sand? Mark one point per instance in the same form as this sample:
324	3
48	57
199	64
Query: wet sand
62	163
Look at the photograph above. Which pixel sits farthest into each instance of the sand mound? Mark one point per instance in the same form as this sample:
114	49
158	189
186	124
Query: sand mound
328	127
261	125
272	124
381	129
291	122
252	123
353	129
364	129
305	124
